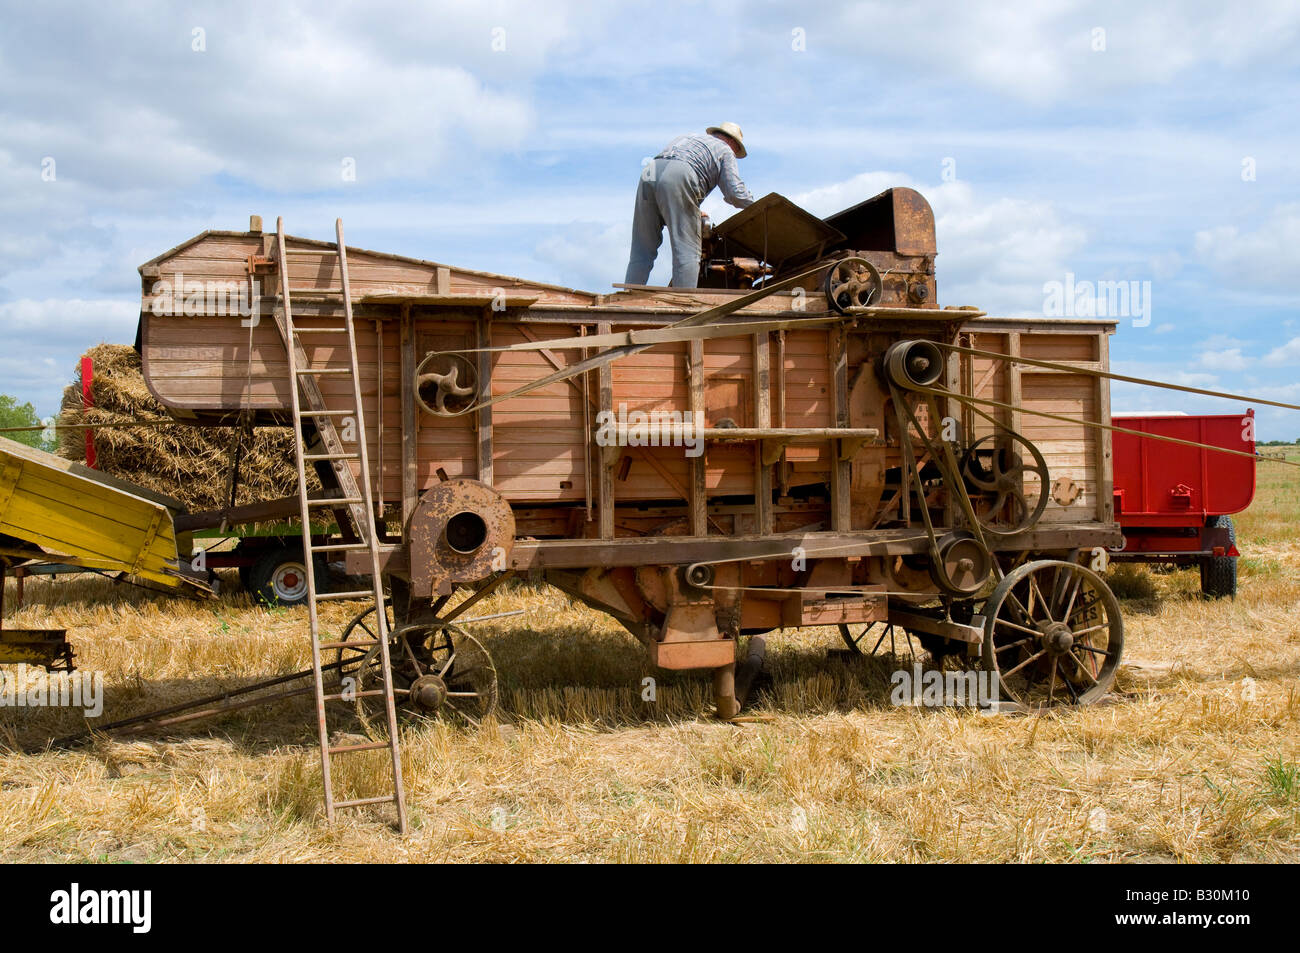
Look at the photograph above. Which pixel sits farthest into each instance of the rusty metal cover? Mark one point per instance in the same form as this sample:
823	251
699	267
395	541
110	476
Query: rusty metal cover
444	552
774	229
898	220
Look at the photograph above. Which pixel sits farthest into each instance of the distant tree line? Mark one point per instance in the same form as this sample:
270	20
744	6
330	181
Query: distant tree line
14	414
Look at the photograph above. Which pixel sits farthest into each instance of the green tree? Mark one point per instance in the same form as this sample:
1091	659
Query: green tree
14	414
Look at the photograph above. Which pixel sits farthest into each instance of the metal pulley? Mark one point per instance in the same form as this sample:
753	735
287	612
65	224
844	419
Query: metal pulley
914	364
853	283
1002	472
445	384
963	564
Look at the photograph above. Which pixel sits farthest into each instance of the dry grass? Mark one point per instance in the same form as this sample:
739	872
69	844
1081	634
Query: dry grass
1190	762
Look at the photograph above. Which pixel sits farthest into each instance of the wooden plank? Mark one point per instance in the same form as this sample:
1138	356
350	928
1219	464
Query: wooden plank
605	497
762	419
410	419
783	483
1105	507
699	502
1014	388
483	417
380	360
841	480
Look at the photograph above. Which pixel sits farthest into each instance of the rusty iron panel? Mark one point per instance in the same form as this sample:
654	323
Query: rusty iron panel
705	653
898	220
774	229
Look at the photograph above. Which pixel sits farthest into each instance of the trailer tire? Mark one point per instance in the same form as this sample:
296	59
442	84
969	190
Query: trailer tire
1219	573
279	577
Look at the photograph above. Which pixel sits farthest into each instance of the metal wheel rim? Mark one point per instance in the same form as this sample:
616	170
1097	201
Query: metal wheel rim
869	636
291	593
1016	645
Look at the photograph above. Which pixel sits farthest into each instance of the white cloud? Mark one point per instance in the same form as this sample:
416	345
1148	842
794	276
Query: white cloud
1166	265
279	98
69	319
590	255
1230	359
52	333
1266	254
1288	353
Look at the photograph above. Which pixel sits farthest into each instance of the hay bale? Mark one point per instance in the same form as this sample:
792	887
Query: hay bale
189	463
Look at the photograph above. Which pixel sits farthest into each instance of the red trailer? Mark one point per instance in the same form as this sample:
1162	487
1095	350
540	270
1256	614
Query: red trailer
1175	502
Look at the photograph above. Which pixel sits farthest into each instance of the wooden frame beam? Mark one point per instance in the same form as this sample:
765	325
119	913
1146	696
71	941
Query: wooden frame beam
410	418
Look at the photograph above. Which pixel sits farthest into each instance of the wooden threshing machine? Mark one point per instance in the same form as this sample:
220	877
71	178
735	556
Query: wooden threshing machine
807	439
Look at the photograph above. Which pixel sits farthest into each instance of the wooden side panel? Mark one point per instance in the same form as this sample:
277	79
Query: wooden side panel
654	382
538	437
1069	449
808	400
728	396
223	258
988	378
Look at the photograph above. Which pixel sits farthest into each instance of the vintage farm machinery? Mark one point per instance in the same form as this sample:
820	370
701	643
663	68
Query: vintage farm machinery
808	439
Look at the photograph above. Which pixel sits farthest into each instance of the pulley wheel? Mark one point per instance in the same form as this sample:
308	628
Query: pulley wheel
913	364
853	283
963	565
445	384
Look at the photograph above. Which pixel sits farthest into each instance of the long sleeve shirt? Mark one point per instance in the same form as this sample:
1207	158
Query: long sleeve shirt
715	165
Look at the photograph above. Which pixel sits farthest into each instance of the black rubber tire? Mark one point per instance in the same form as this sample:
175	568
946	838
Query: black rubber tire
1219	573
272	581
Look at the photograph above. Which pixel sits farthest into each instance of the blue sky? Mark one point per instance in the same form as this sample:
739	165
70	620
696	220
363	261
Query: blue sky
1110	141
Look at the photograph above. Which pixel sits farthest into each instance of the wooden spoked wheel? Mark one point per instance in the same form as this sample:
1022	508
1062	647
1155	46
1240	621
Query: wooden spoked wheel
1053	634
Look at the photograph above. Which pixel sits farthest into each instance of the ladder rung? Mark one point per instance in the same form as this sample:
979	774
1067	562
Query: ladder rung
366	746
336	501
315	291
353	643
323	370
298	330
324	413
331	456
338	547
361	801
349	594
340	696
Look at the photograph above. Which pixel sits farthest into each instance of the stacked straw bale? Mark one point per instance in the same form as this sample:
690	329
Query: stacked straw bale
189	463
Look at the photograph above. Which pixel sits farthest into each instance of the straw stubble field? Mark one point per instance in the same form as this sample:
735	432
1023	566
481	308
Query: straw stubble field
1195	759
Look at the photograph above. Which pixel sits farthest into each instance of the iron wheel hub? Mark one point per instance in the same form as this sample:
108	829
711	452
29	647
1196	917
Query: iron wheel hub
428	692
1058	638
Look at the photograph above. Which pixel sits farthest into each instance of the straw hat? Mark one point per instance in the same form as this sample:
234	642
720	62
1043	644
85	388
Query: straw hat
732	130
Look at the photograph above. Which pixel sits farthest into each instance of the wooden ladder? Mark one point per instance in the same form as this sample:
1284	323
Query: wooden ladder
356	500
